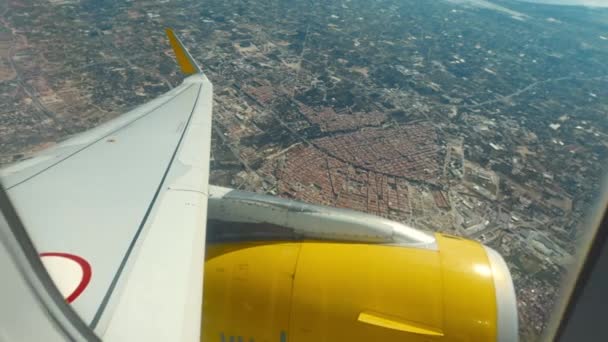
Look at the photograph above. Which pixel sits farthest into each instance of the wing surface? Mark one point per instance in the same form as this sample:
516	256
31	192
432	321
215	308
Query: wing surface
118	215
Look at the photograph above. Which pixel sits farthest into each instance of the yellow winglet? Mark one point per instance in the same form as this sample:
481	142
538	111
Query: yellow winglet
394	323
183	57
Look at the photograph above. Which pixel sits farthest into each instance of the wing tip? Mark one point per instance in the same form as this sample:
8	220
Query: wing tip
183	58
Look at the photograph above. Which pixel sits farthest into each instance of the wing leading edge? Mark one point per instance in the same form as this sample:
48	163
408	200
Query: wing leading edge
118	214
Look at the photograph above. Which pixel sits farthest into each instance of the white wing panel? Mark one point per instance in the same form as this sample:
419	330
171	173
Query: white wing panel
19	172
164	288
118	192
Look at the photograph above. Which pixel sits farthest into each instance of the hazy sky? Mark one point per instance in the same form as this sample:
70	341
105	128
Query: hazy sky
597	3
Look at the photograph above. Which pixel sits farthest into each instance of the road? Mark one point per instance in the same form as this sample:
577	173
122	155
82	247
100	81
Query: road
30	92
531	86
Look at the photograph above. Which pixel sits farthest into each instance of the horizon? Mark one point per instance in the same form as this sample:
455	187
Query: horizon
585	3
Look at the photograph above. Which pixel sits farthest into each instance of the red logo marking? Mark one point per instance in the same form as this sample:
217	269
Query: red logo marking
86	272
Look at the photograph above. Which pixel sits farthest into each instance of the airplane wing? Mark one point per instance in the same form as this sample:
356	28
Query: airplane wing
118	213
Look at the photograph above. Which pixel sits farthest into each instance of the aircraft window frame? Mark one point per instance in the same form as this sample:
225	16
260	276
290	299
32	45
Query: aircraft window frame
17	242
581	311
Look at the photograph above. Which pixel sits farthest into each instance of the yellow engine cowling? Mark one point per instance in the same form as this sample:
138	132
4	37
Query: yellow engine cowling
327	291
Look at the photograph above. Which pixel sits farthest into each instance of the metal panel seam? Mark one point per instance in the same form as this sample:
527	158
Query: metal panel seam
98	140
122	265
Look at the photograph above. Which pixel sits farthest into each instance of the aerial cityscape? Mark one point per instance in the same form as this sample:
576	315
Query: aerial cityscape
483	119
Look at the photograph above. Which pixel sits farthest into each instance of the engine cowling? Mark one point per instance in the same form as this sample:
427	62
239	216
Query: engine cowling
340	291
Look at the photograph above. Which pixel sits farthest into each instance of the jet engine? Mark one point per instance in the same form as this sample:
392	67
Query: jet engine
282	270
